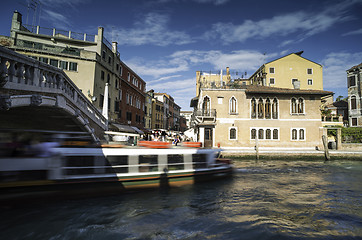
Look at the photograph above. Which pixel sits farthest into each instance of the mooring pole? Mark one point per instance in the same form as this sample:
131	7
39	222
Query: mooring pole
257	146
326	151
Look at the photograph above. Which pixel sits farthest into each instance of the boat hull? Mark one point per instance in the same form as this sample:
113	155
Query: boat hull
23	192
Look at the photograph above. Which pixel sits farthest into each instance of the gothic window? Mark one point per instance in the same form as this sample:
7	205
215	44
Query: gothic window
253	108
275	109
233	105
267	109
300	105
294	105
260	108
206	106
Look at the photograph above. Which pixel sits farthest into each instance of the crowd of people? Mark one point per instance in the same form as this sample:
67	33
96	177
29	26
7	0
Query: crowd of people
163	136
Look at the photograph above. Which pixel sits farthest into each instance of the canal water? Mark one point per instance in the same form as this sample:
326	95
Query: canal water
264	200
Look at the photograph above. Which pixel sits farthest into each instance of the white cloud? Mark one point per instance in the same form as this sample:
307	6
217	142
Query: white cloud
356	32
304	23
186	89
151	30
181	61
335	66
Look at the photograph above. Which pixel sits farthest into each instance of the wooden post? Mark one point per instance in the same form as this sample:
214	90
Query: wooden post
339	139
326	151
257	146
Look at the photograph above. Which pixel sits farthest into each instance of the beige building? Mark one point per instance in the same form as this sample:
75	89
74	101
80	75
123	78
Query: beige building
290	71
171	114
278	106
90	61
277	117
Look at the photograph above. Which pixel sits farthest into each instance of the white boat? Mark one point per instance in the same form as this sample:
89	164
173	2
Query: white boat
102	169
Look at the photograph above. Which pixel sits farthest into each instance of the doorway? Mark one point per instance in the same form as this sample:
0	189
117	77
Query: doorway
208	138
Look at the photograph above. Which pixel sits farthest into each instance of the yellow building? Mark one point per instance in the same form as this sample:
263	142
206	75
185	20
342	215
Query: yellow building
157	114
291	71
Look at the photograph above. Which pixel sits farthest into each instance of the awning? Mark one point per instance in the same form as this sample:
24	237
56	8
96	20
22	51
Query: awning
138	130
124	128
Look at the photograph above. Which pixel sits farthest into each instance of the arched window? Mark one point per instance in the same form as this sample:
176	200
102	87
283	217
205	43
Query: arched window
260	108
300	105
261	134
206	106
253	108
232	105
294	105
275	109
267	109
268	134
232	134
275	134
301	134
253	133
294	134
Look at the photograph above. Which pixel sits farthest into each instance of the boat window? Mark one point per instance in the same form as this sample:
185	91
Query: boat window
199	160
175	162
119	163
148	163
79	165
79	161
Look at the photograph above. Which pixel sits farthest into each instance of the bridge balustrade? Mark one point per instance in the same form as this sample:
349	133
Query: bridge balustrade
22	73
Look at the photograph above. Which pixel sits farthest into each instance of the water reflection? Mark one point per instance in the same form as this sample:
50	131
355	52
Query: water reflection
264	200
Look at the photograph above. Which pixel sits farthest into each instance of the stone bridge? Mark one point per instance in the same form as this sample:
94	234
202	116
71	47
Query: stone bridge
38	97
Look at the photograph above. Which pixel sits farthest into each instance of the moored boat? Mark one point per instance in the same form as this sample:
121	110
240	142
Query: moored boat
86	170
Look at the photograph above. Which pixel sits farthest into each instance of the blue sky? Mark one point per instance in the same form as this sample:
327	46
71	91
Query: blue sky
167	41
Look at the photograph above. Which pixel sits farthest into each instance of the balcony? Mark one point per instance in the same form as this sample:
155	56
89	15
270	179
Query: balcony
205	116
332	120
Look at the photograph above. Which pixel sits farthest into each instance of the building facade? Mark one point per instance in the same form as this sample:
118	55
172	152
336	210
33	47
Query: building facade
187	115
275	117
354	76
148	110
278	106
90	61
290	71
157	114
171	114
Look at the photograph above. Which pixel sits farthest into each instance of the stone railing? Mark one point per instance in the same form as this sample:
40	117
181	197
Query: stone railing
332	118
205	113
59	33
21	73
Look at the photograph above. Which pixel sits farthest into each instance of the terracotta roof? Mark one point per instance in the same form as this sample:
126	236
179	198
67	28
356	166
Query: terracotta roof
297	53
357	66
340	104
275	90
